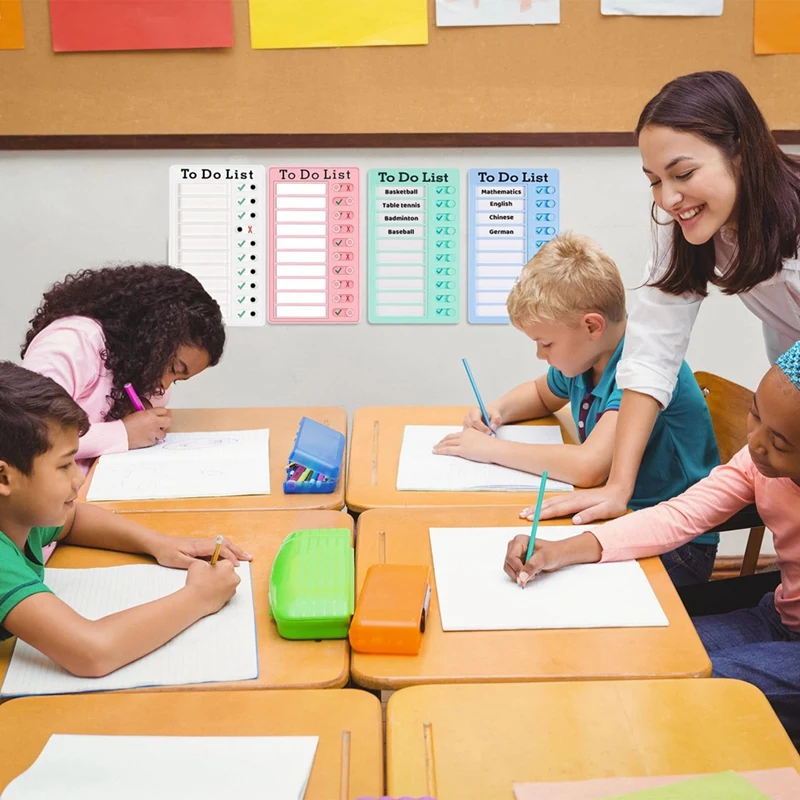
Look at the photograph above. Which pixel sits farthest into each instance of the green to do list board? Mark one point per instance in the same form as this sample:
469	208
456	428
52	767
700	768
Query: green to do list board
414	246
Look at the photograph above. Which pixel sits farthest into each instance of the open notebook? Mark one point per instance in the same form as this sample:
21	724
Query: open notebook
476	595
422	471
220	647
204	464
167	767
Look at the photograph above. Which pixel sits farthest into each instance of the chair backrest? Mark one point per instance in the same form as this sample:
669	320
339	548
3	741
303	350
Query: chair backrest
728	404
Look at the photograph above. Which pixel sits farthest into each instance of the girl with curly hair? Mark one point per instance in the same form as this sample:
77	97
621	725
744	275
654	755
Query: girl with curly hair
95	331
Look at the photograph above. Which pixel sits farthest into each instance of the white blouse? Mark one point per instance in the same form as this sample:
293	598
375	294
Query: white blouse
660	324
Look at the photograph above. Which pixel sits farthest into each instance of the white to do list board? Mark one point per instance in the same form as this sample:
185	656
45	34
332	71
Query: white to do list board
217	233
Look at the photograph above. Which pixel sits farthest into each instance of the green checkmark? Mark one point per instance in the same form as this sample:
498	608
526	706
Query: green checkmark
241	201
240	300
241	286
241	215
241	314
241	244
242	258
338	242
241	188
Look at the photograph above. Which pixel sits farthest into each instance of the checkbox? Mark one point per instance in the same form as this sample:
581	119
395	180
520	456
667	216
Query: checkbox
241	258
241	314
241	286
240	202
241	188
241	216
338	242
241	300
242	243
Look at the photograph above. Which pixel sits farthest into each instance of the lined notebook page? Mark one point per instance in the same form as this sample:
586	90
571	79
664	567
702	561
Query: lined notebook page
421	471
475	594
167	767
203	464
220	647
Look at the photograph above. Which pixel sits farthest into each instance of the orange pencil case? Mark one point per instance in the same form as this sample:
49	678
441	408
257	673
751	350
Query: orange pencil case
391	610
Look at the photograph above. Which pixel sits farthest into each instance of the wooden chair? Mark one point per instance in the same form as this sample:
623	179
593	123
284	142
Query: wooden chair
729	404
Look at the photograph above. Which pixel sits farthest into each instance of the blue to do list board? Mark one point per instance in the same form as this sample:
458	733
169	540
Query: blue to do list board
512	213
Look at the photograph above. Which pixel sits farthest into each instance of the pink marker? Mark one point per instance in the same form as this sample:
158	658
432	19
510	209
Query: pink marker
133	397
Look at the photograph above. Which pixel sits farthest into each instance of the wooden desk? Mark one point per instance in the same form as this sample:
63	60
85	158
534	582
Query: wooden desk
282	664
282	424
485	738
375	453
28	722
497	656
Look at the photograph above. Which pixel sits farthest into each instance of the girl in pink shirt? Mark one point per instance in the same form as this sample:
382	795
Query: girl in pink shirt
100	329
760	645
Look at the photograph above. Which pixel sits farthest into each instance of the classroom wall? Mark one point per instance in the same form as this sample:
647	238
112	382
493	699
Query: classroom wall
60	212
64	211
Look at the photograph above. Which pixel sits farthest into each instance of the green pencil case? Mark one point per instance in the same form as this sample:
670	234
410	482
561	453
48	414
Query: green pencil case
312	585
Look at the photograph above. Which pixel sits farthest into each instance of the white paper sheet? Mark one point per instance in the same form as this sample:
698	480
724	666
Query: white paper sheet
220	647
663	8
203	464
476	595
420	470
497	12
167	767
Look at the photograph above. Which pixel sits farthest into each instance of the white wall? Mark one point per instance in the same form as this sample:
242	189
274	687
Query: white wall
60	212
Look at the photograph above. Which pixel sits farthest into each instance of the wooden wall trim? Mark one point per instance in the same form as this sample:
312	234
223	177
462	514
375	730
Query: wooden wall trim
282	141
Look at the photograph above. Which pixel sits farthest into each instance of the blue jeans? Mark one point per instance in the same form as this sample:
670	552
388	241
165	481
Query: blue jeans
690	563
753	645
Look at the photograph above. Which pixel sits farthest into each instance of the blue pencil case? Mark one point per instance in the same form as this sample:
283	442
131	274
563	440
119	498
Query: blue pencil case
316	459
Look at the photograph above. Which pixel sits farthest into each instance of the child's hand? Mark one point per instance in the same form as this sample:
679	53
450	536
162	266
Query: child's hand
469	444
213	586
175	551
474	419
546	558
146	428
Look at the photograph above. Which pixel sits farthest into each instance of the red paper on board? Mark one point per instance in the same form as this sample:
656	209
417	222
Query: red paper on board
83	25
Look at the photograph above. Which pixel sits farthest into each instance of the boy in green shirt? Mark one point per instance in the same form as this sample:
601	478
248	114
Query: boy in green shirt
40	425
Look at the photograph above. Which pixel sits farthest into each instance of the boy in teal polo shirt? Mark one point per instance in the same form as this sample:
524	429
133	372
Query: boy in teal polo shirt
39	429
570	300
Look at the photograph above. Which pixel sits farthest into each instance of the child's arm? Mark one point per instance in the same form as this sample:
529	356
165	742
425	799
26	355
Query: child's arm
531	400
649	532
91	526
93	648
581	465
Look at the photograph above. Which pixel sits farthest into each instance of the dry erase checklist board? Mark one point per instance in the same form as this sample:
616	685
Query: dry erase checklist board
314	244
512	213
414	236
218	234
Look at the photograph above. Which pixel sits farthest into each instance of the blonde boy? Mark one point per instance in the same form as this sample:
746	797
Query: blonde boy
570	301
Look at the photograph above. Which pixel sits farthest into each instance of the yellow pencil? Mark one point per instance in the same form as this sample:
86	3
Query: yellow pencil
214	558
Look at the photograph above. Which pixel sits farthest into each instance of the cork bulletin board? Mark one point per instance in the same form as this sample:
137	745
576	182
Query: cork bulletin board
582	82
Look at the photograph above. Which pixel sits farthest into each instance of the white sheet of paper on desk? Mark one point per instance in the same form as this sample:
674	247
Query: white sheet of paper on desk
422	471
475	594
203	464
497	12
663	8
167	767
220	647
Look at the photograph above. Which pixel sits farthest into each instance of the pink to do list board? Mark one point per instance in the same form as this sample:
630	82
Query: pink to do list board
314	245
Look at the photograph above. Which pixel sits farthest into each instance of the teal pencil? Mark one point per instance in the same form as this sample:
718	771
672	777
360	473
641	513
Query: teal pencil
535	523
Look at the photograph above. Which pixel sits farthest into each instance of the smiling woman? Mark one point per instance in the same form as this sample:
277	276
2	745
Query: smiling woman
732	203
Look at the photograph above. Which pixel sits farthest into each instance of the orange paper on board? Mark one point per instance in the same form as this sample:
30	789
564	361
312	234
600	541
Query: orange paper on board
88	25
12	35
776	27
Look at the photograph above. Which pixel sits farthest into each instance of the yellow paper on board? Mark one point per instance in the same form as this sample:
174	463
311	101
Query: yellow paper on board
277	24
776	27
12	36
